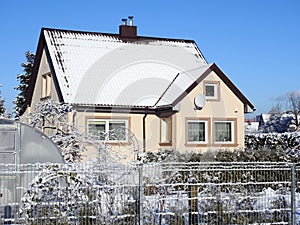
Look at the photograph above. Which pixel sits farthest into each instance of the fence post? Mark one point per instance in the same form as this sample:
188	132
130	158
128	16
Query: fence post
7	214
140	195
293	194
193	200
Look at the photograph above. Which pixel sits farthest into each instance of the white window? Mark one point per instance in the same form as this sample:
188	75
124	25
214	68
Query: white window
166	130
113	129
197	131
212	90
224	131
46	85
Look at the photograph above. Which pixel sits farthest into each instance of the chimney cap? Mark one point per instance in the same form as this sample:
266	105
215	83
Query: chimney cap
130	20
124	21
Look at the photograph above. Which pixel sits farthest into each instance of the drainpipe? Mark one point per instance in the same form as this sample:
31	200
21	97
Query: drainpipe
74	118
144	129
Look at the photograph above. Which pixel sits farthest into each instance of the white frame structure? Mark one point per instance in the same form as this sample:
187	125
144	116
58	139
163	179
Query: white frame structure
205	122
232	132
107	123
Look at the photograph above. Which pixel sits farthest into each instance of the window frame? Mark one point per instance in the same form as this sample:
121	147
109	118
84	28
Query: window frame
207	127
107	121
169	128
46	86
216	85
233	122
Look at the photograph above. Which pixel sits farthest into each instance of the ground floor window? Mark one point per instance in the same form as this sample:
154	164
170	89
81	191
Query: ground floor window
224	131
166	131
111	129
197	131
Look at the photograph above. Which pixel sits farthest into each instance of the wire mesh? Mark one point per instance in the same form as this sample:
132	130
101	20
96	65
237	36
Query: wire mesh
157	193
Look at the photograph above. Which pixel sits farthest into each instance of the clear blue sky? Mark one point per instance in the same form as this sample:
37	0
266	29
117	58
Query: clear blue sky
255	42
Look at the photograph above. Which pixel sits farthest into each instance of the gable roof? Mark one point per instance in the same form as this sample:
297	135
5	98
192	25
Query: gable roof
103	69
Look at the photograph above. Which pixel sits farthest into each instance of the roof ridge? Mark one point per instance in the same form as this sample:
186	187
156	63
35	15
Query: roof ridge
115	34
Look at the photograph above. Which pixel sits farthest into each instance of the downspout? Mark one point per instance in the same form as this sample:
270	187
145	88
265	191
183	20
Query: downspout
144	129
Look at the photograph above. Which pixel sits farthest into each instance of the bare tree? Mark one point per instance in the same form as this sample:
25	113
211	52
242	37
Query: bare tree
276	110
293	104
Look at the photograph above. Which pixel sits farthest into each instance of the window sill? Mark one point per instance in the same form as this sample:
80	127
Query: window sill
165	144
112	143
45	98
225	145
212	99
196	145
117	143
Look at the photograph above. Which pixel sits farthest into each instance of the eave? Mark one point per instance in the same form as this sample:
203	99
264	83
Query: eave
161	112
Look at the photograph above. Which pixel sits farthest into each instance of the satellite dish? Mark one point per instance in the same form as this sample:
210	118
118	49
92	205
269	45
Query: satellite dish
199	101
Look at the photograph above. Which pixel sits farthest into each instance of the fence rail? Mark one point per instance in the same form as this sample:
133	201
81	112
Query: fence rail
158	193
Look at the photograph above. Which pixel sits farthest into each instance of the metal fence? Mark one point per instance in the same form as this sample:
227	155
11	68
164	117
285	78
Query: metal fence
158	193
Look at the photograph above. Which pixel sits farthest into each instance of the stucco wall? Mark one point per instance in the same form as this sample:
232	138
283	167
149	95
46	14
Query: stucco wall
229	107
37	93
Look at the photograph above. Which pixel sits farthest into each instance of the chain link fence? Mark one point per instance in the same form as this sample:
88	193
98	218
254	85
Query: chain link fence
152	193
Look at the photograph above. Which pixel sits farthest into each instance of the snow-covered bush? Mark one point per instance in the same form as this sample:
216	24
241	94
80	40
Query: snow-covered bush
277	146
77	194
259	147
52	118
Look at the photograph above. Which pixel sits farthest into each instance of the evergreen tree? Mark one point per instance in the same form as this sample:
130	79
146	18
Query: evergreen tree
24	81
2	108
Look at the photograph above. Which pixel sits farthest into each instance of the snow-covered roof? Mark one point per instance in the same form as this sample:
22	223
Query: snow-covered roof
265	117
121	71
97	68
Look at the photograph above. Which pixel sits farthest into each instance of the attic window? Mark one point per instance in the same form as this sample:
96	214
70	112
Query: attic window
46	85
212	90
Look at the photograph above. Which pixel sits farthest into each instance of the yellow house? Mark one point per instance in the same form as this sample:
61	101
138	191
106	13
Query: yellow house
161	89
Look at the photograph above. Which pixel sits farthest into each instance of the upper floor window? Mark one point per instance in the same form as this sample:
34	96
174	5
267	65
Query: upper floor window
112	129
46	85
212	90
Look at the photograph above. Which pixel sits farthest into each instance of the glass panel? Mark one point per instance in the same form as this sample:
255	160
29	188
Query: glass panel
97	128
196	131
119	131
7	158
7	140
48	83
223	132
44	85
210	90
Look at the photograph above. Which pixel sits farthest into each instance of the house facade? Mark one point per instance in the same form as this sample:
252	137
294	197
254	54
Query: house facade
160	89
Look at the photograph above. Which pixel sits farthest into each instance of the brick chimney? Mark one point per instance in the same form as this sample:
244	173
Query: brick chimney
128	31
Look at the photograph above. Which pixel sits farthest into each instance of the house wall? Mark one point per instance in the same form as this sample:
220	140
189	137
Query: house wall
228	107
135	125
38	89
